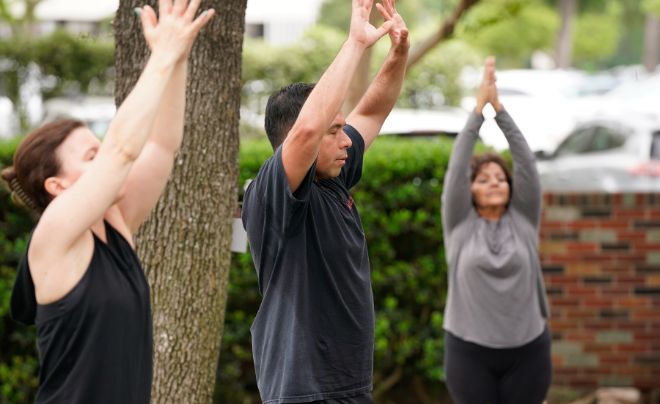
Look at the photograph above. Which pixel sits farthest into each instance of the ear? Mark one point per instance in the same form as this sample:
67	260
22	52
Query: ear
54	186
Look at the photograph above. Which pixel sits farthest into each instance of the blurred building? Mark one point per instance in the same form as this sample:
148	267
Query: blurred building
280	22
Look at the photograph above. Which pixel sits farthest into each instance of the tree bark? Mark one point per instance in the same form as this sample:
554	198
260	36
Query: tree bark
445	32
564	56
652	43
184	246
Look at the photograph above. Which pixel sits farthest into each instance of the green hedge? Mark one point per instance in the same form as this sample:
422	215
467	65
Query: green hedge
399	201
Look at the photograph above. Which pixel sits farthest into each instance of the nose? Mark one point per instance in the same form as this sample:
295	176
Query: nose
345	142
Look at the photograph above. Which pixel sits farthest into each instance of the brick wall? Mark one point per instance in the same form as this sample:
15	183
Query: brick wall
601	263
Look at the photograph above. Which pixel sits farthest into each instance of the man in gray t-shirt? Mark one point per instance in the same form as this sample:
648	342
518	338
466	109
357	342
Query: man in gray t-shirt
313	336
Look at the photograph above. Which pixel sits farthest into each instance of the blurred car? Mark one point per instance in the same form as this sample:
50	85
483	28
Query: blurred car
540	102
610	154
417	122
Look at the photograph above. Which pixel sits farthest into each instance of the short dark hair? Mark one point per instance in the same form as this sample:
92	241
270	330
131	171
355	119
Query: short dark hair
479	160
282	110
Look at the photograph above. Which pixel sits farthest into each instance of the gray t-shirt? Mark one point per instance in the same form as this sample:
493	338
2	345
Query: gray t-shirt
313	336
496	294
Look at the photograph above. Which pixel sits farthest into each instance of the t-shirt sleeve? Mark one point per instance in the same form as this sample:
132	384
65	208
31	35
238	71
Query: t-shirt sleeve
270	195
352	170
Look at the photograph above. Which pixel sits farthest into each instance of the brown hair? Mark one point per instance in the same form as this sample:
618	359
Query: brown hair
480	160
35	160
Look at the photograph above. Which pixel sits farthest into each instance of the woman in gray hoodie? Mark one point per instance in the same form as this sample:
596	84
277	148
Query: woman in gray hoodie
497	343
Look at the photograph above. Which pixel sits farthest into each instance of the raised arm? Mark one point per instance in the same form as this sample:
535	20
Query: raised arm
149	175
84	202
456	193
377	103
301	145
526	193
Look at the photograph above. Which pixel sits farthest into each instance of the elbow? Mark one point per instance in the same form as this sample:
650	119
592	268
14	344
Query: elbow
124	153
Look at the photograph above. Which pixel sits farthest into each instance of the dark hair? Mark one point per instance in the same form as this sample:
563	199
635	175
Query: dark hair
35	160
479	160
282	110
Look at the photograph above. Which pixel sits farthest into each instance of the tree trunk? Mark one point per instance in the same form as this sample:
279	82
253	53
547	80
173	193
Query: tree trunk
565	40
445	32
184	246
652	43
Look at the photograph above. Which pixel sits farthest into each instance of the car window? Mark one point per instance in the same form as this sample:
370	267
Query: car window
606	139
576	143
655	146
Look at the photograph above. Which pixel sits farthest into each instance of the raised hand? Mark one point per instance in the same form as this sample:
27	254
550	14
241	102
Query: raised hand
173	32
487	92
361	29
398	31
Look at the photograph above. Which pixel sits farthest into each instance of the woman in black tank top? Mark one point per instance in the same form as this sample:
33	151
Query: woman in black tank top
80	281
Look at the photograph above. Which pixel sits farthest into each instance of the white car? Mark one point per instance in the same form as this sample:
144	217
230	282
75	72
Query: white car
609	154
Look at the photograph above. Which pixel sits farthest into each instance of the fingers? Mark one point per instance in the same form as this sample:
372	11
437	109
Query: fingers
179	6
384	29
148	19
164	7
202	20
383	12
192	9
489	70
389	5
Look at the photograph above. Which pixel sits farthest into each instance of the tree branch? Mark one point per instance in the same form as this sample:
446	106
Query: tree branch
445	31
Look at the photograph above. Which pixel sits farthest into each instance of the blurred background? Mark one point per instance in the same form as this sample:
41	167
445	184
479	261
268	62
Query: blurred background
581	79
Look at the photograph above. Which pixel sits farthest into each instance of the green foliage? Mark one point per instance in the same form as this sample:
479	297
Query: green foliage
18	362
596	37
651	7
510	29
337	13
399	202
74	61
435	80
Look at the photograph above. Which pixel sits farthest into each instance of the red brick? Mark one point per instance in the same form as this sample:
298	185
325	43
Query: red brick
632	302
614	358
631	325
645	314
580	314
580	290
598	325
598	302
646	247
564	301
635	347
577	247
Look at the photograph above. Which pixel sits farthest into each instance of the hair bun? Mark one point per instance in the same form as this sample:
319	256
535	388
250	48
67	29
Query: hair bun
8	174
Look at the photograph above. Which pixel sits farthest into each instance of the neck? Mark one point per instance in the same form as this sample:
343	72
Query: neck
491	212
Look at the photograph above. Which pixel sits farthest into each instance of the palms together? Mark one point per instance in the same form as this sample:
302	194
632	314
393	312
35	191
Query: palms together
398	31
362	30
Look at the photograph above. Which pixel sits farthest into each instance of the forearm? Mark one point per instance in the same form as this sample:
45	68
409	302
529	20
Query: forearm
135	118
526	183
456	194
384	91
326	99
169	123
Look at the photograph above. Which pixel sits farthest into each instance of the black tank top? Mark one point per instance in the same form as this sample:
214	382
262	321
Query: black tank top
95	343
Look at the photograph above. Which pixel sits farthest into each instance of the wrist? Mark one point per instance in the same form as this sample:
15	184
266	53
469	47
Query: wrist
354	44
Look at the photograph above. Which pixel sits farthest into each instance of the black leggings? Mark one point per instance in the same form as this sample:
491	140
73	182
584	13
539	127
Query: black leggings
480	375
